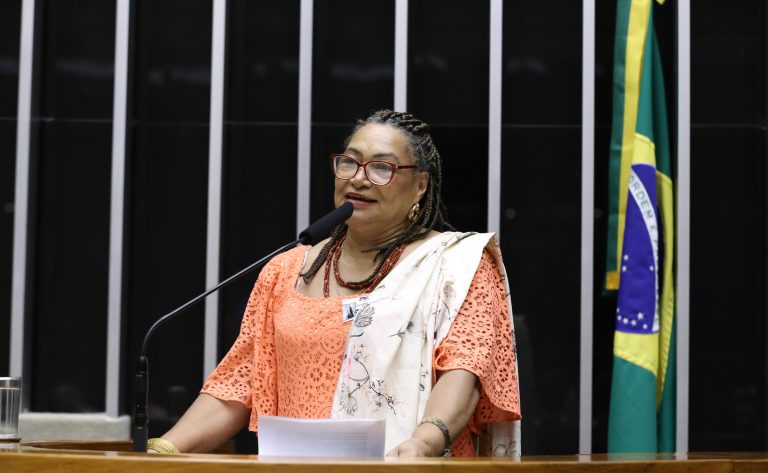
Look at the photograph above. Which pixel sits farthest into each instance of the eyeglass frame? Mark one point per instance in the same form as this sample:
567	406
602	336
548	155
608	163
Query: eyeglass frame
395	168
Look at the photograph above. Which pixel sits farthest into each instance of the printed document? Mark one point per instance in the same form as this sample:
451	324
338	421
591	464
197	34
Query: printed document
340	438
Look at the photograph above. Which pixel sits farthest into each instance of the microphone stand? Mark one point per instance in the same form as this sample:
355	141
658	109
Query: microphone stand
140	418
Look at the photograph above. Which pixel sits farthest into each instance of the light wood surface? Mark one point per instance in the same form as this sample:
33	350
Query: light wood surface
116	457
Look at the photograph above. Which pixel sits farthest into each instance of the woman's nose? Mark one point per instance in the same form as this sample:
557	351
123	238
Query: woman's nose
360	176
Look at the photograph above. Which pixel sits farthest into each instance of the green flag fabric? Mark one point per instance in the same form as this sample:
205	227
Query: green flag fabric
641	242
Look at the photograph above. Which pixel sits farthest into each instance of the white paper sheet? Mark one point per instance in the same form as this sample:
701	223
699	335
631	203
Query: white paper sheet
288	437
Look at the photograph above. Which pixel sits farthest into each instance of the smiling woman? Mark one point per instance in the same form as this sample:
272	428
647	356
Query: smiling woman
414	326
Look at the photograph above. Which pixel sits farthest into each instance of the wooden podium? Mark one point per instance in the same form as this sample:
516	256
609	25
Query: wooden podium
116	457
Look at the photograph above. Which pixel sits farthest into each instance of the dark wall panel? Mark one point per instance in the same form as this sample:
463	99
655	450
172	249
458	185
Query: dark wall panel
77	57
448	47
69	211
166	262
465	174
7	188
728	62
542	62
10	20
70	270
728	320
167	185
263	61
10	26
540	228
172	60
728	227
353	55
540	213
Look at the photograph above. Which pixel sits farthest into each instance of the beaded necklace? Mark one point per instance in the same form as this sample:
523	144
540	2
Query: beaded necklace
333	259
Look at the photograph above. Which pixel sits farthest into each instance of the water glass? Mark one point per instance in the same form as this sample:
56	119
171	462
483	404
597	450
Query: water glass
10	405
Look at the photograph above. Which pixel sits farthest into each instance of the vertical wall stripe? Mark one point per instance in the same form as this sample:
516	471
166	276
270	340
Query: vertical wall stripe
494	116
305	115
117	206
401	55
683	217
215	166
21	198
587	222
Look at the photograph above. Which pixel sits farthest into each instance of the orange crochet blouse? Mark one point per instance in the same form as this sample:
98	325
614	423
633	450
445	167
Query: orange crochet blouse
287	358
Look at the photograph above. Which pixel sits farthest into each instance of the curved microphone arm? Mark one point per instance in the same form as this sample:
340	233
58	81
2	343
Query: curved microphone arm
140	417
311	235
210	291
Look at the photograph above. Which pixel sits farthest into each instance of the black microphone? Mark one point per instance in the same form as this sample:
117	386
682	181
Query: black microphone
310	235
321	228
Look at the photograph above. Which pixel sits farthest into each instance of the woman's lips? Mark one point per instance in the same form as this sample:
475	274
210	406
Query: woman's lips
359	200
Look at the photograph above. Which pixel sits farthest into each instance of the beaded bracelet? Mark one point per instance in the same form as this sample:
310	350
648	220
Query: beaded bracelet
443	428
161	445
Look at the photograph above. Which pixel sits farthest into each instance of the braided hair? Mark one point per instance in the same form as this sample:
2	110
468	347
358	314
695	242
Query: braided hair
432	214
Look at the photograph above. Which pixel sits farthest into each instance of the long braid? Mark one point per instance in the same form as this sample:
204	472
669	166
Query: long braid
432	215
337	233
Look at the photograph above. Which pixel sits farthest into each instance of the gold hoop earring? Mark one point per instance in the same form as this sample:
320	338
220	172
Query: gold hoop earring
414	212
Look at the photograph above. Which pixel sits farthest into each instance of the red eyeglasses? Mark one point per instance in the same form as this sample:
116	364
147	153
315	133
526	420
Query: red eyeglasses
380	173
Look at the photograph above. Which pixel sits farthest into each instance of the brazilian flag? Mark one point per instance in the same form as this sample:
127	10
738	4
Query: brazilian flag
641	242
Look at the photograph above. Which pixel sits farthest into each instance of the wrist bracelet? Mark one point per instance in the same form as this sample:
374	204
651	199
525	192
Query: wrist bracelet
160	445
443	428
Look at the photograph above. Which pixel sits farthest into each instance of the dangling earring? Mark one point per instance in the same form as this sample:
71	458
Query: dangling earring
414	213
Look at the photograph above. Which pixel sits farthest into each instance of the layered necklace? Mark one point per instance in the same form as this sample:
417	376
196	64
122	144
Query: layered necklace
361	286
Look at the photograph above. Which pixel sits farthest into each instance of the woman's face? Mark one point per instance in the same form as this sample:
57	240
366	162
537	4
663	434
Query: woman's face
380	207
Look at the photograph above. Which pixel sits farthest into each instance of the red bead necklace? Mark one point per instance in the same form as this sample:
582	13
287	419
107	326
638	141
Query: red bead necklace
333	259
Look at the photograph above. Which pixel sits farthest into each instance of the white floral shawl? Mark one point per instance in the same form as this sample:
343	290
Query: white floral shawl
387	366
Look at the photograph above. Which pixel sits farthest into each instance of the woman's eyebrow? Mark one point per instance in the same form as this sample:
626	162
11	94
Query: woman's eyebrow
375	156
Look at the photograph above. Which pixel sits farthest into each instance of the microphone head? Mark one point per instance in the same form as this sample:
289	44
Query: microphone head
320	229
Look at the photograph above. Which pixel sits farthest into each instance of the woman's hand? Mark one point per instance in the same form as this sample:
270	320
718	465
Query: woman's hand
413	447
453	401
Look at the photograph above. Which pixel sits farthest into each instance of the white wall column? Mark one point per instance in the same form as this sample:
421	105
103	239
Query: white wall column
494	116
305	115
587	223
21	197
683	212
215	170
117	206
401	56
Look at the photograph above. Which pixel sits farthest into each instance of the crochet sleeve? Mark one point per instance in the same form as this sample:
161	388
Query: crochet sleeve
248	371
481	341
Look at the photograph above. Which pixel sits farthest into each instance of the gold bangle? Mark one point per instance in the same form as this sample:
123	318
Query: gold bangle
160	445
443	428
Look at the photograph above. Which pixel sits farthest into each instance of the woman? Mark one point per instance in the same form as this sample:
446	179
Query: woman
388	317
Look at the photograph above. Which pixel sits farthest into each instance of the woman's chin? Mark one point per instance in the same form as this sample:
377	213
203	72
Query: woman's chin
357	220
